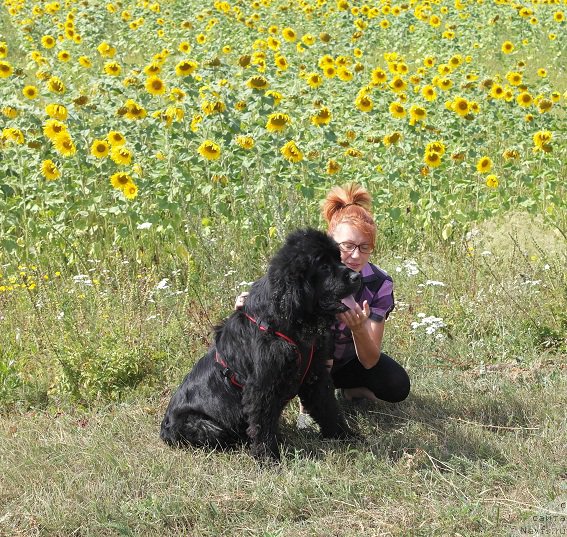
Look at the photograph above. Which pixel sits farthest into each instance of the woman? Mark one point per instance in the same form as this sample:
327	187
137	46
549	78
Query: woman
358	366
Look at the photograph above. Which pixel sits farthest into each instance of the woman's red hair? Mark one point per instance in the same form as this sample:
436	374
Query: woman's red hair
349	204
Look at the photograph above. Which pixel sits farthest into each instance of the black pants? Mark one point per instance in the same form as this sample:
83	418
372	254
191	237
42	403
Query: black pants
387	379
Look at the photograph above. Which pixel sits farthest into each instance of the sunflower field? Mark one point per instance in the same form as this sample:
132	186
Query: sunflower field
239	115
154	154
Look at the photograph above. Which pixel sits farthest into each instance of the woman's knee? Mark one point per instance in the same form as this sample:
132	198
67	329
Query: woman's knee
395	386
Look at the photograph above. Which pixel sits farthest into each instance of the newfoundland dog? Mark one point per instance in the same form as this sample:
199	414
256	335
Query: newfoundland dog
266	353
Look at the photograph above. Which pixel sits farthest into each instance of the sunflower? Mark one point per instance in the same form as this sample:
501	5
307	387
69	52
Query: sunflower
155	85
541	72
120	180
524	99
544	105
63	55
12	134
492	181
112	68
344	74
56	111
6	69
484	165
514	78
30	92
397	110
314	80
333	167
435	147
85	62
106	50
461	106
379	76
542	140
434	21
273	43
53	129
322	117
213	107
10	112
281	62
48	41
186	67
245	141
428	92
115	138
432	159
330	71
559	16
210	150
121	155
130	191
49	170
289	34
392	138
398	84
55	85
278	122
276	96
134	111
258	82
445	84
184	47
364	102
100	148
497	91
417	113
64	145
511	154
291	152
507	47
353	152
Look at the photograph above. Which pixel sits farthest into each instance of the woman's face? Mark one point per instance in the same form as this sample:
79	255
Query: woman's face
348	237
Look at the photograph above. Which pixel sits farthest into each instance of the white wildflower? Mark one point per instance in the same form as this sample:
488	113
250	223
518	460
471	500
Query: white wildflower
83	279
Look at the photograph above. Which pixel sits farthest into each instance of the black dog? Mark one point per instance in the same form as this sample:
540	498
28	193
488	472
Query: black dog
266	353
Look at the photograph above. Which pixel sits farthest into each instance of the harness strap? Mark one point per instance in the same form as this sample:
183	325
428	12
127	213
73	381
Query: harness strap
226	371
231	375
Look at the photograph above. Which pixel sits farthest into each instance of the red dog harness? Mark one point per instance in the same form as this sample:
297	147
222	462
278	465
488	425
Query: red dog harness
303	366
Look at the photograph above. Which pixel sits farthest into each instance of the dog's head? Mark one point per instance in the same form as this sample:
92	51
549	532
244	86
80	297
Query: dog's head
308	279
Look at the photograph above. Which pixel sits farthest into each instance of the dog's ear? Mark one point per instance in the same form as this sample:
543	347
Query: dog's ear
296	300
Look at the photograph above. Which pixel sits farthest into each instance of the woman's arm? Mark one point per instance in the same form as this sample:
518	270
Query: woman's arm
367	334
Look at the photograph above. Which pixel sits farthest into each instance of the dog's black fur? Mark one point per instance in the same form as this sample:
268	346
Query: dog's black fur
299	297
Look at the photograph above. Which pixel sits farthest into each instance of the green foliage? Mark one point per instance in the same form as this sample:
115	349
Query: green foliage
106	372
10	379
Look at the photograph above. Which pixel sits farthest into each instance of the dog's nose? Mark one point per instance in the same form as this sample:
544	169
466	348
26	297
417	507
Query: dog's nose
354	276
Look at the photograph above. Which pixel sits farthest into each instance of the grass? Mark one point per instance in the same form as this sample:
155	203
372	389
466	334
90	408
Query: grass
468	453
479	447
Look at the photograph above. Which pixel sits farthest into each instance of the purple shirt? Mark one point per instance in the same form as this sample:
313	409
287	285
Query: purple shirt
378	290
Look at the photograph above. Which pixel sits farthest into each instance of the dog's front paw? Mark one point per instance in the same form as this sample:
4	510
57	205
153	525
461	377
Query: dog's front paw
343	432
264	453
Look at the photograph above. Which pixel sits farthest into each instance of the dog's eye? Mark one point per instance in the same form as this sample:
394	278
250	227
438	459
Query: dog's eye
326	269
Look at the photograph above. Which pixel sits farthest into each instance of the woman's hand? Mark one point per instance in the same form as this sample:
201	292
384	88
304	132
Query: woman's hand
355	318
240	299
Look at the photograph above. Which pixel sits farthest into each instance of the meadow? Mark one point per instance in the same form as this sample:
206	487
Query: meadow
153	155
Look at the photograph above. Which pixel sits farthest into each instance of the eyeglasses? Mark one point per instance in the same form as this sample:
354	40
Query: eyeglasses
350	247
